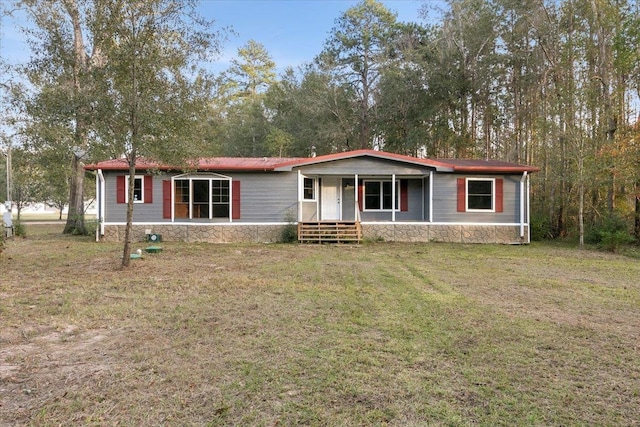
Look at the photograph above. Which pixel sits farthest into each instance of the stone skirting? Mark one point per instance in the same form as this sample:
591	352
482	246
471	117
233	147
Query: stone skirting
242	233
201	233
445	233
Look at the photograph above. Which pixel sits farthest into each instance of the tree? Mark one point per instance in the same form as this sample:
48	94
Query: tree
404	108
240	102
155	94
60	101
27	179
56	178
354	54
314	110
251	73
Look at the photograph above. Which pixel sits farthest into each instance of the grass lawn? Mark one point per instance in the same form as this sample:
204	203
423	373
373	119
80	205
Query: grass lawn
333	335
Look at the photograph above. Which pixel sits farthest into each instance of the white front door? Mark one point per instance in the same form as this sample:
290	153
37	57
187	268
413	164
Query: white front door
330	193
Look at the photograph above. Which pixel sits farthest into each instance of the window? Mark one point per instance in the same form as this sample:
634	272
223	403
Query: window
309	189
138	192
182	198
142	189
200	201
378	195
204	197
480	194
220	198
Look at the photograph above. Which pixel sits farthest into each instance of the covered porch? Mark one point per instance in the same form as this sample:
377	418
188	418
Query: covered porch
355	198
331	207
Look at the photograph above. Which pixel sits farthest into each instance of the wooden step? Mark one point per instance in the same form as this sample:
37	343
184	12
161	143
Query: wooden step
329	232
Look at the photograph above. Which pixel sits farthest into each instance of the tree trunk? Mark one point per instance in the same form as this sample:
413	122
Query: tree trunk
75	216
128	231
581	202
133	153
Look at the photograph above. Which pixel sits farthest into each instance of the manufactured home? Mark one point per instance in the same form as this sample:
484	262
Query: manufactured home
349	196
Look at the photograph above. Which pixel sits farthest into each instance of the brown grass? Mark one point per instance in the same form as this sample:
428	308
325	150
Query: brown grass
376	334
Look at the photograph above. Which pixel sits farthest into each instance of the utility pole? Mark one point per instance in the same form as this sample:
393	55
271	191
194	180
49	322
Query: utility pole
9	177
6	216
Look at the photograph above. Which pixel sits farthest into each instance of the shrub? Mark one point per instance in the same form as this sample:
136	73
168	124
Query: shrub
289	232
19	229
91	226
540	227
610	233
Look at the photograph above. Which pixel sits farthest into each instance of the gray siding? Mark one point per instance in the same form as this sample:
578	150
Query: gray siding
142	212
264	197
309	211
445	200
415	205
268	197
364	166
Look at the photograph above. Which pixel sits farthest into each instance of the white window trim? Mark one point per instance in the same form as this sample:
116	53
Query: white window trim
201	177
126	188
315	188
493	195
396	193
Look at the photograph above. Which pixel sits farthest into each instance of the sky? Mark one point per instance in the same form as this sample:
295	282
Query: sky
292	31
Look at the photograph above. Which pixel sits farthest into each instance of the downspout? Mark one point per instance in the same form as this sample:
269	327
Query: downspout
524	202
300	191
100	189
529	208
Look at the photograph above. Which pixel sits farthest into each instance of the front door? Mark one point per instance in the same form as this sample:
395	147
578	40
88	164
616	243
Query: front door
330	201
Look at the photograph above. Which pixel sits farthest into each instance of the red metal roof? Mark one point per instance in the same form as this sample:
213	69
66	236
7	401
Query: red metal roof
205	164
451	165
287	164
469	165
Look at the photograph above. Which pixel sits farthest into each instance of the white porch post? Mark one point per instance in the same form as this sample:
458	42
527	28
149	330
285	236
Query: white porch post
422	213
100	192
430	196
356	211
393	198
173	195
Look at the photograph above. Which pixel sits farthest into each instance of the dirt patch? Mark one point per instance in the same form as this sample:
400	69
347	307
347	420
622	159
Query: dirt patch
39	365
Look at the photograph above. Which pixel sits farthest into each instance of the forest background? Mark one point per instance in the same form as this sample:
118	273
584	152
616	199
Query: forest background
554	84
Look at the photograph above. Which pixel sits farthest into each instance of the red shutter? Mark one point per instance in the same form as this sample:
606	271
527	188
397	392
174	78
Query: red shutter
360	195
166	198
499	195
404	195
147	183
120	188
235	200
462	194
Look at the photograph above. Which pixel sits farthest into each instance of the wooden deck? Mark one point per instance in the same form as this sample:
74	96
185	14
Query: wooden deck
329	232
